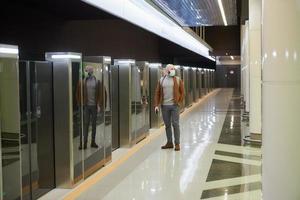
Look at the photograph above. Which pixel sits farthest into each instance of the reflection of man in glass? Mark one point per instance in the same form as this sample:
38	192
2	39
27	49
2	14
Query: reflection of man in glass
92	102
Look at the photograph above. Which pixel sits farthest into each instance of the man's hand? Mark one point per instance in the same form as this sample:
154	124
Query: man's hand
98	109
156	109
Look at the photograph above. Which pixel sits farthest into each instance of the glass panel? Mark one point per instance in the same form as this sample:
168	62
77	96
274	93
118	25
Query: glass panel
153	80
10	128
42	139
37	130
186	86
93	126
203	82
107	80
133	102
141	101
140	120
26	189
190	71
33	130
182	78
206	81
197	80
77	123
146	97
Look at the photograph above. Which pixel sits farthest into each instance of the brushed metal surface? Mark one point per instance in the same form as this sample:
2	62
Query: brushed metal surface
67	117
125	107
210	80
185	73
179	74
107	84
199	81
203	86
62	123
115	107
194	84
199	13
190	88
206	82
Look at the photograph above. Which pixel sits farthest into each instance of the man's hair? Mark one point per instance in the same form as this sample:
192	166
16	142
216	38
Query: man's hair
168	67
89	68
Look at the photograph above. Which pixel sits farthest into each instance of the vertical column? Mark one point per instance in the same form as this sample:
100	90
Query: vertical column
242	60
245	65
281	98
255	68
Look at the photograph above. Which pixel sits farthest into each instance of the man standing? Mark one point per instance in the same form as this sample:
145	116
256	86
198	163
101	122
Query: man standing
92	102
169	94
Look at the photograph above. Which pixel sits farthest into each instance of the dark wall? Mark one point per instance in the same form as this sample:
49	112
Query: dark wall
71	25
115	38
223	39
112	37
225	79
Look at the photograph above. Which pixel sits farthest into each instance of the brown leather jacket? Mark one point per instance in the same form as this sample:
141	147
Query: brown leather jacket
178	92
99	93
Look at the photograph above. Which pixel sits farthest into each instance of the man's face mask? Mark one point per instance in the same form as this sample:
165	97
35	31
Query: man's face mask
172	72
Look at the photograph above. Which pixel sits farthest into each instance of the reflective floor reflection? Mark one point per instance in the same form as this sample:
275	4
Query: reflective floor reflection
166	174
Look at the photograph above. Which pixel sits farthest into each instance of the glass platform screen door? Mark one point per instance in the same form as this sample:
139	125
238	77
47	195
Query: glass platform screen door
9	123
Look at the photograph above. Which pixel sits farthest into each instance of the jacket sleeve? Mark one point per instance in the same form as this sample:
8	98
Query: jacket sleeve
157	95
181	91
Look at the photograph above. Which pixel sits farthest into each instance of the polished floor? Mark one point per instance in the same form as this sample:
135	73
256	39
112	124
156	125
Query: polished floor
213	163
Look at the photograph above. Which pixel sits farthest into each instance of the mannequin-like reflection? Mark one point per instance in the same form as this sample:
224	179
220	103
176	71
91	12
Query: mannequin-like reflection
92	103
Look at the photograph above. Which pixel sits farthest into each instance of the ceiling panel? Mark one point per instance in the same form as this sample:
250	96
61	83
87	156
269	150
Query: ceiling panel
199	12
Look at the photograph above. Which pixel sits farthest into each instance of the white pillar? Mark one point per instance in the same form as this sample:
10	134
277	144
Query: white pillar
245	64
242	59
255	68
281	99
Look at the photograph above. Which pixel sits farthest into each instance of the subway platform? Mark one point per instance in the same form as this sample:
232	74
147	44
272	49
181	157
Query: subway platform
214	163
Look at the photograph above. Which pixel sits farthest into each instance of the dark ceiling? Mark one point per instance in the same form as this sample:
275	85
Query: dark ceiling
24	19
50	10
